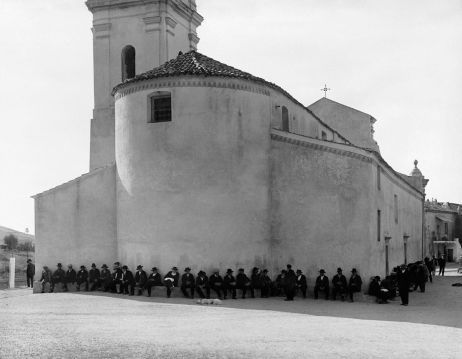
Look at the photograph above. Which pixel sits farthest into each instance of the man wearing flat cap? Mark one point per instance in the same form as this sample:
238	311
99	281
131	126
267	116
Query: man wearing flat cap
354	284
154	280
94	277
202	284
216	283
229	284
105	278
187	282
339	283
128	282
171	280
82	278
58	277
140	279
322	284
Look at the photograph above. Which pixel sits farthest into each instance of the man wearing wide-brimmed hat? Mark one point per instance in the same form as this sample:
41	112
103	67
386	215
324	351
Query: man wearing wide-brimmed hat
354	284
229	284
202	284
171	280
94	277
58	277
216	282
339	283
116	278
187	282
105	278
82	278
301	282
322	284
140	279
154	280
69	277
127	282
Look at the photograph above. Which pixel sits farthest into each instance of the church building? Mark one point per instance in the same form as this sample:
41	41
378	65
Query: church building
196	163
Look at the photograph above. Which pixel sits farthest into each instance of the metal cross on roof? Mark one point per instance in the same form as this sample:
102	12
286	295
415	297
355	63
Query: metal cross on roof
325	89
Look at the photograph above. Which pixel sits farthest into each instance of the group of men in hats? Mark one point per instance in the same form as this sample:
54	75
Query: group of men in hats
340	286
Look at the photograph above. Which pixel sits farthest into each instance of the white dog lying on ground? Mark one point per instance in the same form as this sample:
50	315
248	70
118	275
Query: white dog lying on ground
210	301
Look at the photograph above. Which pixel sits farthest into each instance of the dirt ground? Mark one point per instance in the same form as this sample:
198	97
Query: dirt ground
71	325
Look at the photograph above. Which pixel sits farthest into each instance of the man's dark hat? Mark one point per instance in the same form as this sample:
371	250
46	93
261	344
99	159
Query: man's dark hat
174	268
93	265
229	270
59	265
339	269
265	270
353	270
154	269
201	272
117	263
187	269
104	266
29	260
124	267
241	269
82	267
139	266
289	266
322	271
299	271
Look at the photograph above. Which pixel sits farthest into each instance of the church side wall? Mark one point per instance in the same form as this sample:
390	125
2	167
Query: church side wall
76	223
194	191
321	209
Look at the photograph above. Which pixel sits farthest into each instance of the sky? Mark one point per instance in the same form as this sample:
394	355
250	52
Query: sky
399	61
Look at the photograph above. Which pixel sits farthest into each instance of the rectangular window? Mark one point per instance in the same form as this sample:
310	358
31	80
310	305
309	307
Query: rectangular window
396	208
379	214
379	174
161	108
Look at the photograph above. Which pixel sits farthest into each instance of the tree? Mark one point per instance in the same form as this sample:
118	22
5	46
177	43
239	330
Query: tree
27	246
11	241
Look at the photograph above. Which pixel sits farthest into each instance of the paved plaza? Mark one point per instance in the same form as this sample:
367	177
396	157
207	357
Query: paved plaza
97	325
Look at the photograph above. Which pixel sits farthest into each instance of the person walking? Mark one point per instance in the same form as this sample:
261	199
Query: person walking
442	265
30	273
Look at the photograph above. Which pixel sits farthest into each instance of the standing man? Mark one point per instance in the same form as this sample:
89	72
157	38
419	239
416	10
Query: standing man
127	281
301	283
154	280
94	277
70	277
442	265
322	284
216	283
58	277
354	284
404	282
140	279
290	283
243	283
171	280
340	285
30	273
229	283
187	281
46	278
82	278
202	283
106	278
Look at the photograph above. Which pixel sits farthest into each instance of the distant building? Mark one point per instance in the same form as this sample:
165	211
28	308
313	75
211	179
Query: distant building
444	229
196	163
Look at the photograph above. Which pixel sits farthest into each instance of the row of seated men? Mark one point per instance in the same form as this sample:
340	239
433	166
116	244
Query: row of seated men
122	281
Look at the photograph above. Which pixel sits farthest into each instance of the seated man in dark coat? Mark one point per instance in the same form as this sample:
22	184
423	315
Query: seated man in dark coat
279	283
321	285
58	277
266	284
202	284
46	278
140	279
154	280
187	282
229	284
171	280
243	283
301	283
374	287
116	278
216	283
105	278
354	284
94	277
69	277
255	281
339	283
82	278
127	282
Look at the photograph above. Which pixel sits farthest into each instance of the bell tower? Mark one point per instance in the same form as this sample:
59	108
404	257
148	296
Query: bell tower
131	37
